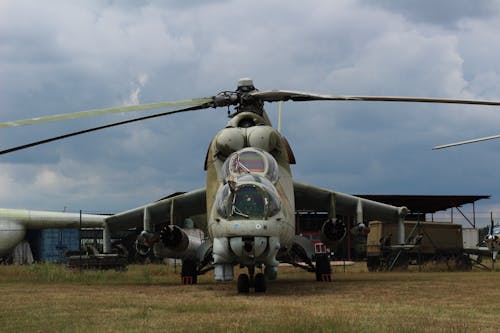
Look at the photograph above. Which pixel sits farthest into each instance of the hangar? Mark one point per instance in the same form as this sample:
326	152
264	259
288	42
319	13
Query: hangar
421	205
421	208
50	244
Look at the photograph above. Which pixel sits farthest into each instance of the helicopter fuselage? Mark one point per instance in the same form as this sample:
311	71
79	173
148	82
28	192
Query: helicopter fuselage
250	197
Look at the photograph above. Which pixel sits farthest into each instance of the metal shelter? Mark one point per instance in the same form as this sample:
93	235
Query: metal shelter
419	205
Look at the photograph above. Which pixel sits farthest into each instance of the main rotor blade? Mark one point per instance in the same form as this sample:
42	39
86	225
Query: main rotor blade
96	112
466	142
64	136
283	95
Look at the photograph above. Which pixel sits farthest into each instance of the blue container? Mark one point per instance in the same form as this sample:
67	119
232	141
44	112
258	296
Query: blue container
53	243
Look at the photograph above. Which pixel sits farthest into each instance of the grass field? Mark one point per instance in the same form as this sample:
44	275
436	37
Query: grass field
49	298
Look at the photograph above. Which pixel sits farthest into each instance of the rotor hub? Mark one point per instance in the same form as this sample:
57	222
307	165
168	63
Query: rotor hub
245	85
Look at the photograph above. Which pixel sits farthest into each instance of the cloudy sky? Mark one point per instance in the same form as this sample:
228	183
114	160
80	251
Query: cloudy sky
64	56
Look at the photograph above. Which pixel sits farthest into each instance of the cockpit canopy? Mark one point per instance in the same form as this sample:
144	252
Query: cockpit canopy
249	196
250	160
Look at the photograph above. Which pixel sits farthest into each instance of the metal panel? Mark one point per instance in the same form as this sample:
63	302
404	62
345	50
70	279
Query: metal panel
470	237
437	236
53	243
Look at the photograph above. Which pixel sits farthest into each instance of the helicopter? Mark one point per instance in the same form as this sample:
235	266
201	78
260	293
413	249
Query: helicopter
246	212
492	239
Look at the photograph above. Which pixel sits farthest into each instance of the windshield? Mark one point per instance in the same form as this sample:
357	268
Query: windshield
249	202
250	196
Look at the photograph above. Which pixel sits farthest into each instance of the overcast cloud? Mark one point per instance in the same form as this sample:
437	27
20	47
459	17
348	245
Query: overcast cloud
63	56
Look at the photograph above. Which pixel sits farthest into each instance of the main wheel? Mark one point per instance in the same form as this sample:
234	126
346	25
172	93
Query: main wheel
260	283
243	284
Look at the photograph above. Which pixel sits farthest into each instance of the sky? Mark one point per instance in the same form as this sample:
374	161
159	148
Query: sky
64	56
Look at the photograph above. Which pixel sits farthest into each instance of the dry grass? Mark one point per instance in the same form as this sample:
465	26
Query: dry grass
48	298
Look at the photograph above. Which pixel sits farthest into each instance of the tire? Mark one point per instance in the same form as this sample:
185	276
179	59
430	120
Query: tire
260	283
243	284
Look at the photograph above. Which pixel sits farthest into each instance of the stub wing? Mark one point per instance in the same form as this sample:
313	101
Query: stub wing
177	207
308	197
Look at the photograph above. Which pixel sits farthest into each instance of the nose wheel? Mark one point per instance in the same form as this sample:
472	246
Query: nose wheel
247	281
243	284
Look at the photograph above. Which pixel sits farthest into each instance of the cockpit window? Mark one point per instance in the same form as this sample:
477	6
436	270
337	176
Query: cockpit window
222	203
274	205
249	202
249	196
250	161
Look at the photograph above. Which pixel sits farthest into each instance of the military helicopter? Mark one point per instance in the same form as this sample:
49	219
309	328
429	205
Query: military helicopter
247	208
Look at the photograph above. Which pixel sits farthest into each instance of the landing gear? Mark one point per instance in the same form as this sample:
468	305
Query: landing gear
243	284
247	281
260	283
189	273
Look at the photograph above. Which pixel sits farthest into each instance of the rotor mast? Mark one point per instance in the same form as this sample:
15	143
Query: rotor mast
247	102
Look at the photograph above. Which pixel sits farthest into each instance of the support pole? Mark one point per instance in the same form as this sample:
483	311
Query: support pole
332	213
348	243
147	221
359	212
172	216
106	238
401	231
474	214
466	218
80	242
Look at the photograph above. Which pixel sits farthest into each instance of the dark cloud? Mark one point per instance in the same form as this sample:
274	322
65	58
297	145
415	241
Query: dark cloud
62	57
